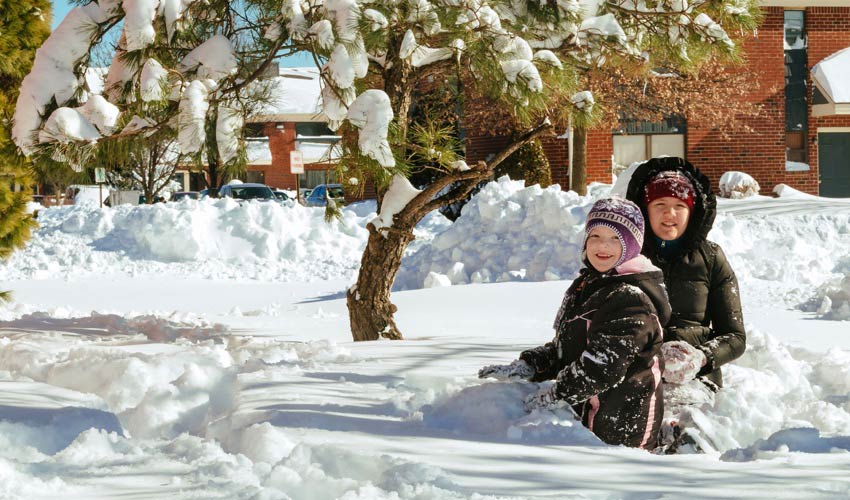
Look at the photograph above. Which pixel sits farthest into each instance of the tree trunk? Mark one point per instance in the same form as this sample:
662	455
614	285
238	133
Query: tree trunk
370	311
578	177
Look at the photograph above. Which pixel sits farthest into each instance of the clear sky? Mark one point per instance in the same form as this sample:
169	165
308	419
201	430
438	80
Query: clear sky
61	8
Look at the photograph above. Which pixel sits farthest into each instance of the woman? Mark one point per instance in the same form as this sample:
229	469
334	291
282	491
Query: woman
677	200
605	357
707	327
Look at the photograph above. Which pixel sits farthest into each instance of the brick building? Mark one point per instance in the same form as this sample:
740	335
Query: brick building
802	137
291	120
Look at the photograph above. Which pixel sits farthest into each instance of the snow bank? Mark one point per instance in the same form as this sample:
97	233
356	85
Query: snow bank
506	232
218	239
832	299
737	185
510	232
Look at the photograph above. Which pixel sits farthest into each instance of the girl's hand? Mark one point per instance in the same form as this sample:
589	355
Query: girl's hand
543	399
518	370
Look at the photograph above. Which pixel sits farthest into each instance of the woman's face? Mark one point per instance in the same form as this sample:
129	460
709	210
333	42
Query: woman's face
603	248
668	217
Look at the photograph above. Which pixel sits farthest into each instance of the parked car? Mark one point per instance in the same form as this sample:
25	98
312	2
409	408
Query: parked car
319	195
179	195
247	191
280	195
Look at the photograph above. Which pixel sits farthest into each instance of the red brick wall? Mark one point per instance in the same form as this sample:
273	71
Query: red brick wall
281	142
760	153
600	148
828	32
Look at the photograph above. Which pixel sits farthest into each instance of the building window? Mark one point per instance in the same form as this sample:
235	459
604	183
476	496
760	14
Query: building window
641	140
796	109
313	129
257	176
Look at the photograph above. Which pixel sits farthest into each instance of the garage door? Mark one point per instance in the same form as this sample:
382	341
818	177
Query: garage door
834	164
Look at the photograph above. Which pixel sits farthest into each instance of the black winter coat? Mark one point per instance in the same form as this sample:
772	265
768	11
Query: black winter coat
605	357
702	287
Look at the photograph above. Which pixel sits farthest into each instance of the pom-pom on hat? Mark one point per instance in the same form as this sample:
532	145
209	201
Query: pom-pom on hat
670	183
624	218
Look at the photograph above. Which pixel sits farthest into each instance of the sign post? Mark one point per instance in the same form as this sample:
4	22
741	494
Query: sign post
99	179
296	167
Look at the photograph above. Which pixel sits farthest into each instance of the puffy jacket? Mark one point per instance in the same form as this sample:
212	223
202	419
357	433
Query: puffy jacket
605	357
702	287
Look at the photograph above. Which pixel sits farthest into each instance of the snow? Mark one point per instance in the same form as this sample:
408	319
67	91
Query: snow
139	32
66	125
796	166
295	91
737	185
228	130
214	59
833	73
372	113
398	195
151	81
201	349
194	104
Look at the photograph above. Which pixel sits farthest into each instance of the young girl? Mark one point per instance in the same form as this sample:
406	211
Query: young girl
605	357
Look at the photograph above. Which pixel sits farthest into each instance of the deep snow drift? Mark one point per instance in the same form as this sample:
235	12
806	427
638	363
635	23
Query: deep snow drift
125	370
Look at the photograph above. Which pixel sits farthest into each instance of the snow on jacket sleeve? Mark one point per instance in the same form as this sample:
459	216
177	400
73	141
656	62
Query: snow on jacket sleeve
544	360
619	331
727	339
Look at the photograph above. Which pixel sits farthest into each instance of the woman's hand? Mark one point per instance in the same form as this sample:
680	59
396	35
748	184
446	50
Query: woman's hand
682	361
518	370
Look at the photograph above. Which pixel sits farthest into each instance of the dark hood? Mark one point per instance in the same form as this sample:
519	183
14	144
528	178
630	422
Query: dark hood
705	204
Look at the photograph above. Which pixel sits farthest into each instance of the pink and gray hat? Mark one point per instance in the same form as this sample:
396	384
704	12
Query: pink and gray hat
624	218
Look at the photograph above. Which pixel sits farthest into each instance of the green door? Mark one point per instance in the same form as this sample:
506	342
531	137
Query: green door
834	164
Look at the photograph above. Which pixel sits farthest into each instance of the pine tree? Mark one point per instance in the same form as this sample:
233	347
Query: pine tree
373	54
23	27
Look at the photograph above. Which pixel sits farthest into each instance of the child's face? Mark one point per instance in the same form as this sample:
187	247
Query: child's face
668	217
603	248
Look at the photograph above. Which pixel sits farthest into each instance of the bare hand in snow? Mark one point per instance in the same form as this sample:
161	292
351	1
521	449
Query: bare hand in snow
682	361
519	369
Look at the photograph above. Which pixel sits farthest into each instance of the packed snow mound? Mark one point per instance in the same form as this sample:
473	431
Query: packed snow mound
737	185
797	250
511	232
832	299
506	232
219	239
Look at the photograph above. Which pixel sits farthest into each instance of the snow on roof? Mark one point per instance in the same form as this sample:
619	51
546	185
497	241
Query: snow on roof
319	152
295	96
832	75
258	151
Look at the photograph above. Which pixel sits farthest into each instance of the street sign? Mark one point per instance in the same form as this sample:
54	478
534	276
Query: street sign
99	175
296	162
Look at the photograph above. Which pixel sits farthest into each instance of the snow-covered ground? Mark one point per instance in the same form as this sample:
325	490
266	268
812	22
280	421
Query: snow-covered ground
202	350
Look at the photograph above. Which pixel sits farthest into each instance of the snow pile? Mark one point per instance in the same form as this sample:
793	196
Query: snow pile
737	185
510	232
799	250
209	238
832	299
771	388
506	232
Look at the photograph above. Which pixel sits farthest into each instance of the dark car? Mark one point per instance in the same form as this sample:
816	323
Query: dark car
247	191
180	195
319	195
